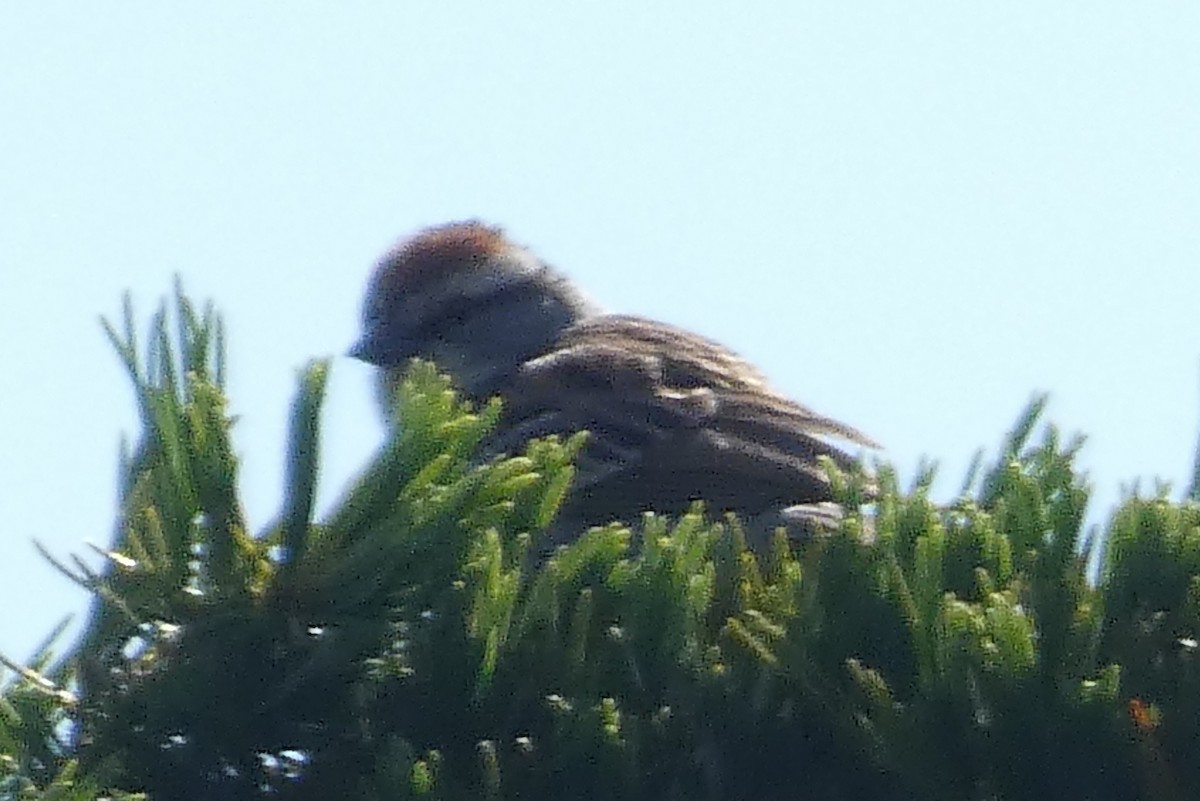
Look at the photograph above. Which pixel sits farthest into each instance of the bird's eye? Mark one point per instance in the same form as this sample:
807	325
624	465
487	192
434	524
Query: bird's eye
467	317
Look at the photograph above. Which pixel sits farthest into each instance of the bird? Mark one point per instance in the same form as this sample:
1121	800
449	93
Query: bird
673	417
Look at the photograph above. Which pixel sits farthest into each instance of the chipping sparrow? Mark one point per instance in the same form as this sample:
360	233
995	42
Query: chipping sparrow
673	417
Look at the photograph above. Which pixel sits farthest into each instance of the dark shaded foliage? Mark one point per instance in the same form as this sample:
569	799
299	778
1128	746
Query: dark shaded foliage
412	645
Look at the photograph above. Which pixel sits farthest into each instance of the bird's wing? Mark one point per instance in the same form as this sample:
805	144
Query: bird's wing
673	417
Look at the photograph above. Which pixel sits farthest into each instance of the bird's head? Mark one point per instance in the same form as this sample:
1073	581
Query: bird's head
467	298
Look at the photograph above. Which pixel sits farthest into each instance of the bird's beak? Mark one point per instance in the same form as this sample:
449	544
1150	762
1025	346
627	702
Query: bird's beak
364	350
382	350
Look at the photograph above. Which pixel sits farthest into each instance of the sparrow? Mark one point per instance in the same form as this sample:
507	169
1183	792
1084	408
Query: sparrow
673	417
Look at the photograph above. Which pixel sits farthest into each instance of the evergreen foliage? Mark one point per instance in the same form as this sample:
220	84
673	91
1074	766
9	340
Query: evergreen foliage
410	645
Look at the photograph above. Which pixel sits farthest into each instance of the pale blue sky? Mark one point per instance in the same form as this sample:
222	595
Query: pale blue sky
910	215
